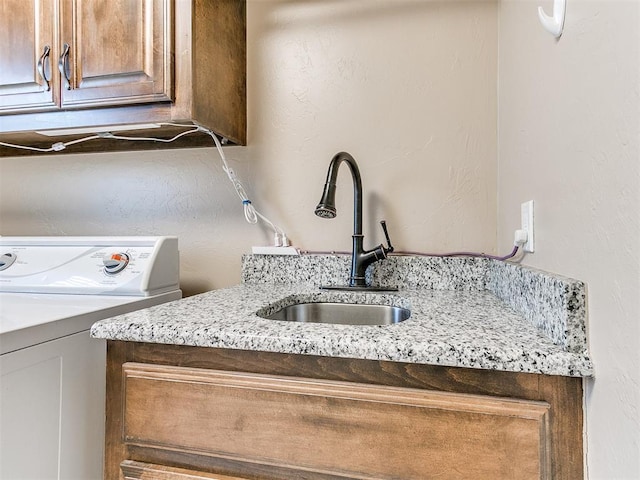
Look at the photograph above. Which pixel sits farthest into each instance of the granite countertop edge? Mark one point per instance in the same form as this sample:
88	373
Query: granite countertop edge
454	328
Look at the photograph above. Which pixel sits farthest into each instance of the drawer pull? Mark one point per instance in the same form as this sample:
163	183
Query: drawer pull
63	66
42	68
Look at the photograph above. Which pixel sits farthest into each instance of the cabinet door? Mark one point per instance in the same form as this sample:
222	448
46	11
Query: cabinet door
27	47
115	52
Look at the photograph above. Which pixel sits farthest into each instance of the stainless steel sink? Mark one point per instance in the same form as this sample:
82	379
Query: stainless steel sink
343	313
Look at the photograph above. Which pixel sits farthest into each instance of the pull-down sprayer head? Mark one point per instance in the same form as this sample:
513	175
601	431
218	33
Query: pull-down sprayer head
327	206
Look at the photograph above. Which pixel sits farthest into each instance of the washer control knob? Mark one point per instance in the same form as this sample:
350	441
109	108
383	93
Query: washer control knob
6	260
116	262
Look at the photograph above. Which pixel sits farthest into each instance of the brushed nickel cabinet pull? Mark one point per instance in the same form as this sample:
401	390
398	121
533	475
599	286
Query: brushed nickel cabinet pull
41	66
63	66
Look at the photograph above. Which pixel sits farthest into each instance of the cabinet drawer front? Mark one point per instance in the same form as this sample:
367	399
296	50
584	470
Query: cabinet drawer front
147	471
338	428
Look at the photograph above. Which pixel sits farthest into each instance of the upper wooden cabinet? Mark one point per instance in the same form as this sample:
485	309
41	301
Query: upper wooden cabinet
87	63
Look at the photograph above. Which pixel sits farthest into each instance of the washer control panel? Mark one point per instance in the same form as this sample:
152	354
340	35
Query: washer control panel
140	266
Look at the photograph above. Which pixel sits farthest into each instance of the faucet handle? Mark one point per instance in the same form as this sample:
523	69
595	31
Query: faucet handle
383	224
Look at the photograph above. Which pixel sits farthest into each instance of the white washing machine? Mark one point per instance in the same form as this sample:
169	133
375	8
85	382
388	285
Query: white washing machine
52	374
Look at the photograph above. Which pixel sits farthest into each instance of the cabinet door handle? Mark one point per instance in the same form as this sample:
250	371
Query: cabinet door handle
41	66
63	66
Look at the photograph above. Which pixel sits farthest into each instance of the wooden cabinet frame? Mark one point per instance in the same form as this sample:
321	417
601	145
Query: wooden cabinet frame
552	403
192	69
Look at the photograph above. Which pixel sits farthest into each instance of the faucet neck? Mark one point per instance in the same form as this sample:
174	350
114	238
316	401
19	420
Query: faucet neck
332	176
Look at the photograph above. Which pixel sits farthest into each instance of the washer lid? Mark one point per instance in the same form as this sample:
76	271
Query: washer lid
29	319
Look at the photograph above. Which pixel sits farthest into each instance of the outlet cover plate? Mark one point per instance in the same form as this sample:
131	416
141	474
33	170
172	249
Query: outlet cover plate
526	216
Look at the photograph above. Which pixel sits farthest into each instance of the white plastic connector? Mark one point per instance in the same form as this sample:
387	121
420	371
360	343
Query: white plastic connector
275	251
520	238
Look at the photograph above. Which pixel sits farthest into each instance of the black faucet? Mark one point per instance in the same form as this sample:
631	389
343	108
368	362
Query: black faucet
360	258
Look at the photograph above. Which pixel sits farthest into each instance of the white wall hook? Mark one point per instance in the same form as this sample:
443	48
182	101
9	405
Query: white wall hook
555	24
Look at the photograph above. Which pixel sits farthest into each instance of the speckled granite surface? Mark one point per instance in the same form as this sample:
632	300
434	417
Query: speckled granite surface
465	312
554	304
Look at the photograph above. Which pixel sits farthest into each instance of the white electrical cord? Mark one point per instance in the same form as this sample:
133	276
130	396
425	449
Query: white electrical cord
59	146
250	213
56	147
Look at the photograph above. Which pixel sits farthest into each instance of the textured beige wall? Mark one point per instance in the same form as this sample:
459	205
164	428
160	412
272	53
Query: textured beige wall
408	87
569	139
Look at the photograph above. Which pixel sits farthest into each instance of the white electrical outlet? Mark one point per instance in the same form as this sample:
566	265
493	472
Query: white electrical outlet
526	222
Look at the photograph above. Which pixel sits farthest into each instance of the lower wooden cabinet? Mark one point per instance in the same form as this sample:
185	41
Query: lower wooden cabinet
196	413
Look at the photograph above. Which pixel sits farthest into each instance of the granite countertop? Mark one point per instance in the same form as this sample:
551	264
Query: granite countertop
464	313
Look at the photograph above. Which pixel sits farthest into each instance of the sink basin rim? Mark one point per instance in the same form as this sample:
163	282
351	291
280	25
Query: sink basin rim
340	313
